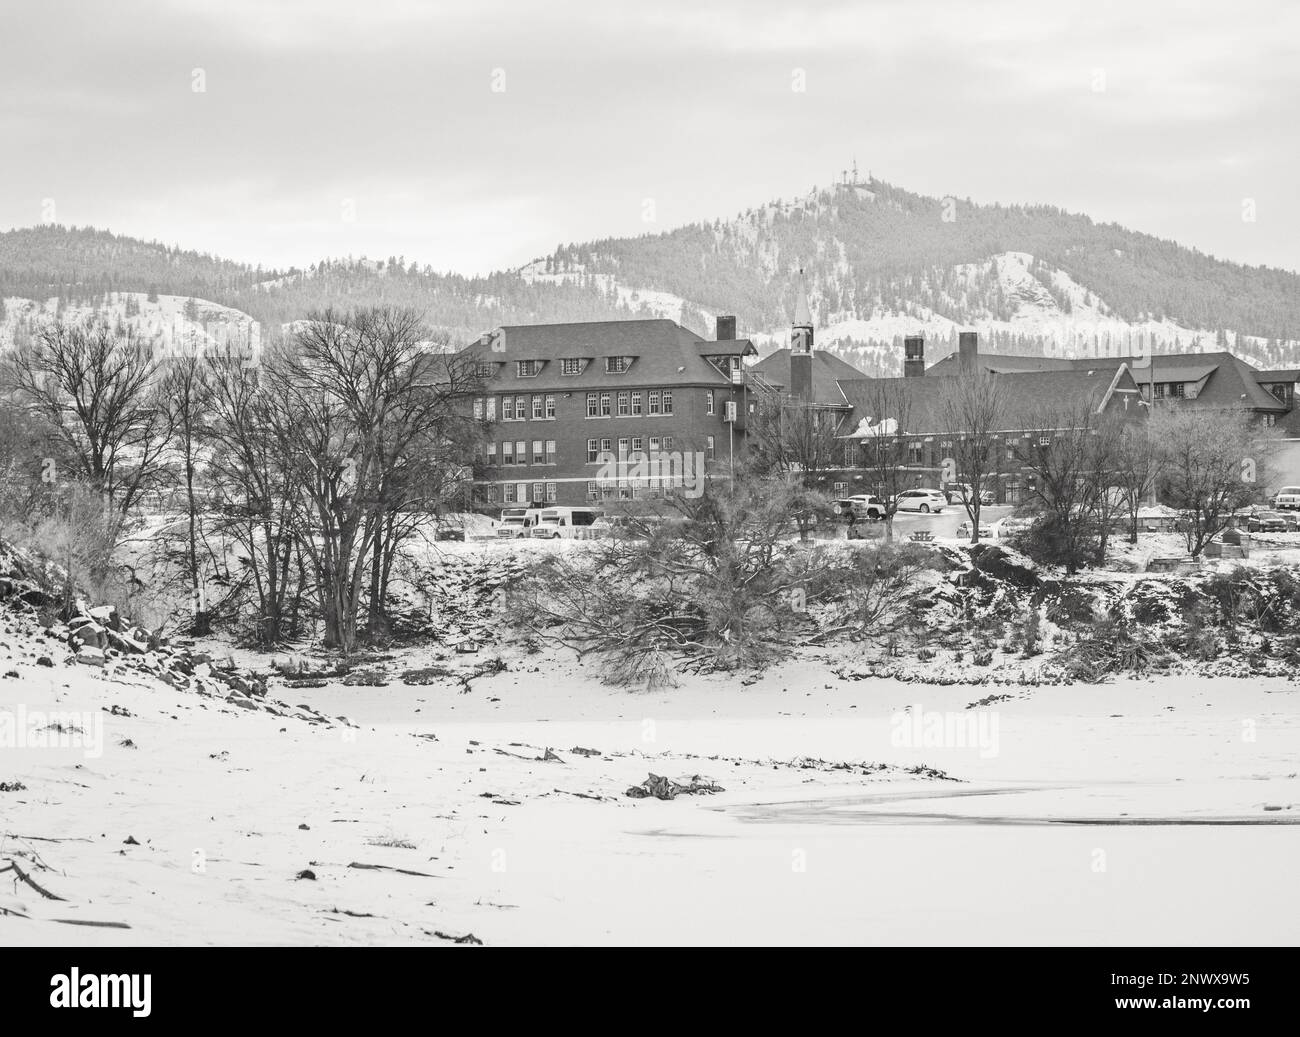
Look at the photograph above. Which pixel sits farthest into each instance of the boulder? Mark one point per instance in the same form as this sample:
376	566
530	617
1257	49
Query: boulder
90	655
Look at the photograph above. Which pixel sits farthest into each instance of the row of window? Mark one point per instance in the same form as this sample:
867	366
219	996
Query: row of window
517	452
569	366
631	446
626	403
597	489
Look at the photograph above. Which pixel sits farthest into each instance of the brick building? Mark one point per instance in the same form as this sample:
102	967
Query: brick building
564	400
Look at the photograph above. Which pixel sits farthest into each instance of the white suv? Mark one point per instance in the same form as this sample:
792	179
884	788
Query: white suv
921	500
1288	497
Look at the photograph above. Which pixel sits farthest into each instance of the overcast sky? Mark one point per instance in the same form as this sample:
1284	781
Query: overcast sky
477	135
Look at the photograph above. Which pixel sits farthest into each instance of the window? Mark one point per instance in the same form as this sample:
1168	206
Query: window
478	408
592	410
654	444
636	403
528	368
485	370
668	401
492	408
507	408
509	495
492	493
550	492
617	364
1044	440
550	451
623	444
668	443
593	451
521	408
638	444
624	404
550	406
572	365
653	395
539	491
1160	390
492	452
539	453
604	405
521	452
537	408
507	453
1178	389
708	402
708	447
606	446
593	491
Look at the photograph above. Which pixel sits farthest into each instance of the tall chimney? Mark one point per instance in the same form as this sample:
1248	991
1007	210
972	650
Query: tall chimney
968	350
914	356
726	329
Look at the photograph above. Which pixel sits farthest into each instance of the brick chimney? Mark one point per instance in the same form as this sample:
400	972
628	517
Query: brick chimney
726	329
913	356
968	350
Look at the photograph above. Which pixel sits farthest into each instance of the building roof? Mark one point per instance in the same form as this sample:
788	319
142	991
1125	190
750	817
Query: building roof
829	373
663	352
1227	380
1029	396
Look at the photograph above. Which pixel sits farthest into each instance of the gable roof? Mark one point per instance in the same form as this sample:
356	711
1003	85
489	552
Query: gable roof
664	352
829	373
1029	395
1228	381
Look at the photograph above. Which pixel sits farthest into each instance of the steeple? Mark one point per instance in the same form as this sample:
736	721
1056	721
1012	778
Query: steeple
801	329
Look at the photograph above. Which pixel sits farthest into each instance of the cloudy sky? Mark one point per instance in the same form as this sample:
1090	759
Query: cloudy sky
475	134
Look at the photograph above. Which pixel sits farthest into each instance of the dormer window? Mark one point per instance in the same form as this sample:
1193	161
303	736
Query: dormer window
572	365
528	368
485	370
617	364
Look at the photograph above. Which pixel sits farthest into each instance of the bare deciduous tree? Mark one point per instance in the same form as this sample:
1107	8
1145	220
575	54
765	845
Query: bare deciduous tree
970	413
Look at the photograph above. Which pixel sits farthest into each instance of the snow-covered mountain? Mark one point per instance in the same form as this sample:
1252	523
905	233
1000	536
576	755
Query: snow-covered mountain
879	263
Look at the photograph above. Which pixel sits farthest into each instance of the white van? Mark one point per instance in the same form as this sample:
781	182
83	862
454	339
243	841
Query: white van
517	522
562	522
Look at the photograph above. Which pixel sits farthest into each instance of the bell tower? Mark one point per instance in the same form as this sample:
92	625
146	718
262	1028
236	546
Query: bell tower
801	346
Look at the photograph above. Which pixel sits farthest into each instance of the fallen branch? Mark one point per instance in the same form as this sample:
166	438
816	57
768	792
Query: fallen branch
24	877
389	867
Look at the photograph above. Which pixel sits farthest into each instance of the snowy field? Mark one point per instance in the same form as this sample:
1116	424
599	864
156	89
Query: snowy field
1128	813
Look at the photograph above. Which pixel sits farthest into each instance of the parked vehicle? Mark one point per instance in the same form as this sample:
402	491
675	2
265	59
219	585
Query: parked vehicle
553	523
517	522
860	505
1267	522
1288	498
961	492
923	501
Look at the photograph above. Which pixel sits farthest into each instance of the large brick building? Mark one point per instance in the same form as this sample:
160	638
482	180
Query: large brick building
606	410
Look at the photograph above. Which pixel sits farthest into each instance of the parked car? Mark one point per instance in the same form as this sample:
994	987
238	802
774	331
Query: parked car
1288	498
960	492
1267	522
554	523
920	500
860	505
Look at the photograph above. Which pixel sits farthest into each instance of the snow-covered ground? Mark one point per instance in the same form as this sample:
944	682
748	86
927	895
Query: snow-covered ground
1135	812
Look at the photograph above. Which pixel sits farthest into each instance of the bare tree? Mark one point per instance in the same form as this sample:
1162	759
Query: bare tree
1137	467
793	437
883	447
970	413
1211	463
1072	463
97	389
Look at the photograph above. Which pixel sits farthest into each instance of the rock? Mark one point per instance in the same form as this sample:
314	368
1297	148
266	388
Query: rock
306	873
241	700
90	656
44	660
88	633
